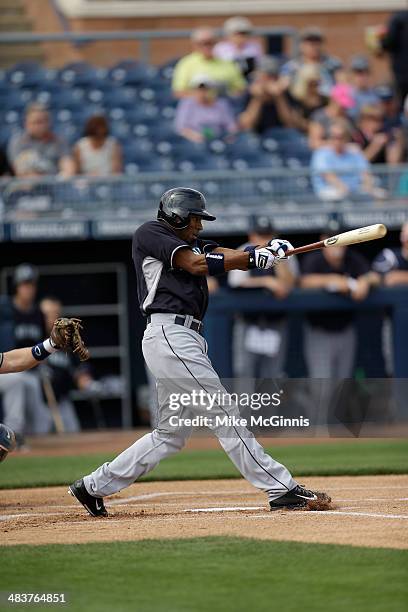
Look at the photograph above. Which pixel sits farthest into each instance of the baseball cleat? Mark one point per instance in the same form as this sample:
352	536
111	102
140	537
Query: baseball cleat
94	505
299	497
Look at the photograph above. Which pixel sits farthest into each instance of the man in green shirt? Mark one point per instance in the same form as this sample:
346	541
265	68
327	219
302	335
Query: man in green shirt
225	73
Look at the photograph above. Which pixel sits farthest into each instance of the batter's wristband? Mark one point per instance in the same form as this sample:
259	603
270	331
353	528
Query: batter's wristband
251	260
215	263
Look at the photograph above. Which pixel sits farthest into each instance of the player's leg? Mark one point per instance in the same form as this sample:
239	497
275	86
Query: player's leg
163	441
246	453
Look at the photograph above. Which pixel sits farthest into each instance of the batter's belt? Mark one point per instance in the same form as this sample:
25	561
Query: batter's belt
183	320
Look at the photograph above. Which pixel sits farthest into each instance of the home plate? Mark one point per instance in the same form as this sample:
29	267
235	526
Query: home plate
225	509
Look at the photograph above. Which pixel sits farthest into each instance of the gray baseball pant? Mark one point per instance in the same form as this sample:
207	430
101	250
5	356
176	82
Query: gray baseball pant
177	357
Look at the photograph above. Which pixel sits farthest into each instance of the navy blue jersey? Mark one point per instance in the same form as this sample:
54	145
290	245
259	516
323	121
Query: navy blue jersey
390	259
161	287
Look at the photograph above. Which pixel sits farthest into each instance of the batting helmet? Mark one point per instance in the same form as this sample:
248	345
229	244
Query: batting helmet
176	206
7	441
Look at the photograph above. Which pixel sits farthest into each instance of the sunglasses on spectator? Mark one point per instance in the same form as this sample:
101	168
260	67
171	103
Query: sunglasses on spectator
338	137
206	43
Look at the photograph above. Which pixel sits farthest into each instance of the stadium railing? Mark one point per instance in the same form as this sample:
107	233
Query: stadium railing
113	206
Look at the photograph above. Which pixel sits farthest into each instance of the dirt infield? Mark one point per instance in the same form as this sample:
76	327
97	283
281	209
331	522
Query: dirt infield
369	511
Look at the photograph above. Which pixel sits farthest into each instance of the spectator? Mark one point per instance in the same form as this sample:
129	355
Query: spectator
330	337
27	412
378	144
37	151
364	93
268	104
306	95
395	42
341	101
340	168
311	52
260	341
391	265
59	370
204	116
395	124
225	73
238	45
97	153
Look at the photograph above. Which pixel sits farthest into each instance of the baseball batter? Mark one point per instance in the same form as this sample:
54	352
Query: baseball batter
65	335
171	264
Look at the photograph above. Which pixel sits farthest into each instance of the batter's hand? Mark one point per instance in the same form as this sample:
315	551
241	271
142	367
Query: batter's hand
279	247
264	258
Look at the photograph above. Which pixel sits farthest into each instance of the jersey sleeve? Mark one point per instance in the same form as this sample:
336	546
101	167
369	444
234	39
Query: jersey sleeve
156	241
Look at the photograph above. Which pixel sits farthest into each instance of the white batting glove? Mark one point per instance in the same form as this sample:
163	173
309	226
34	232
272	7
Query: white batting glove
279	247
264	258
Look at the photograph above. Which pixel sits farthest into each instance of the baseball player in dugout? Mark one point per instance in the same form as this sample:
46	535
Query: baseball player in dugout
65	335
171	264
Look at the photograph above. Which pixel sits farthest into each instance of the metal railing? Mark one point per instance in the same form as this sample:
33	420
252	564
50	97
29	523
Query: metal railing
115	205
144	37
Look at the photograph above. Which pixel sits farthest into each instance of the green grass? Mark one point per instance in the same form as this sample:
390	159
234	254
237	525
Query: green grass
217	574
337	458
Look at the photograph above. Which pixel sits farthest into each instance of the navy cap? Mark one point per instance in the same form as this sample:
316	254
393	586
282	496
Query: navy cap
360	63
25	273
260	224
384	92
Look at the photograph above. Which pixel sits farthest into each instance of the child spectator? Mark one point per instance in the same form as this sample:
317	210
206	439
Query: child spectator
364	93
97	153
203	116
37	151
340	103
268	104
238	45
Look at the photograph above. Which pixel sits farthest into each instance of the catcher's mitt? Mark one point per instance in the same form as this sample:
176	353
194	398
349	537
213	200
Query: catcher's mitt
7	441
66	335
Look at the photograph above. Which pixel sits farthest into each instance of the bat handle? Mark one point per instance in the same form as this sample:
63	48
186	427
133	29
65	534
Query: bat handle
305	249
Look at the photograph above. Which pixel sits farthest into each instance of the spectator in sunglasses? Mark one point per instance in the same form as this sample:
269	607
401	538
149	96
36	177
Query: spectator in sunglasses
239	46
225	73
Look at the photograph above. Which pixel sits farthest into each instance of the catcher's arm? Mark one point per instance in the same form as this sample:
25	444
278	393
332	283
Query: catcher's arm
17	360
65	335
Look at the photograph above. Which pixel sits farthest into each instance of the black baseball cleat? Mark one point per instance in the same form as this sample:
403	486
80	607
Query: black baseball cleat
94	505
298	497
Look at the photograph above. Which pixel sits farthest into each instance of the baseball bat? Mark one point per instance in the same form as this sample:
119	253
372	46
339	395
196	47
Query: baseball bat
362	234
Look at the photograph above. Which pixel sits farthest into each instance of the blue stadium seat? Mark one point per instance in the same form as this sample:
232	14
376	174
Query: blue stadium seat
142	113
123	97
81	73
162	130
72	99
137	150
15	99
166	70
29	74
283	134
6	132
131	72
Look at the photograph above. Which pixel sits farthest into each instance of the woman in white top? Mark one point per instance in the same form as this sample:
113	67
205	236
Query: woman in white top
97	153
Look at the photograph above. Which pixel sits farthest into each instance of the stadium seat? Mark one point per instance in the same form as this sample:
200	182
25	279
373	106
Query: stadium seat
131	72
123	97
29	74
15	99
81	73
166	70
71	99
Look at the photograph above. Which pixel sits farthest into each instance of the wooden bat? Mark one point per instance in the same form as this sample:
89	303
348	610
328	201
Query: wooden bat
362	234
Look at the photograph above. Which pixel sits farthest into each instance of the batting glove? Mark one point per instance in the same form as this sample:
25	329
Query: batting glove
279	247
265	258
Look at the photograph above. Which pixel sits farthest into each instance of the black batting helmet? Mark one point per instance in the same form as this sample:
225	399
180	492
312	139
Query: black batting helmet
176	206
